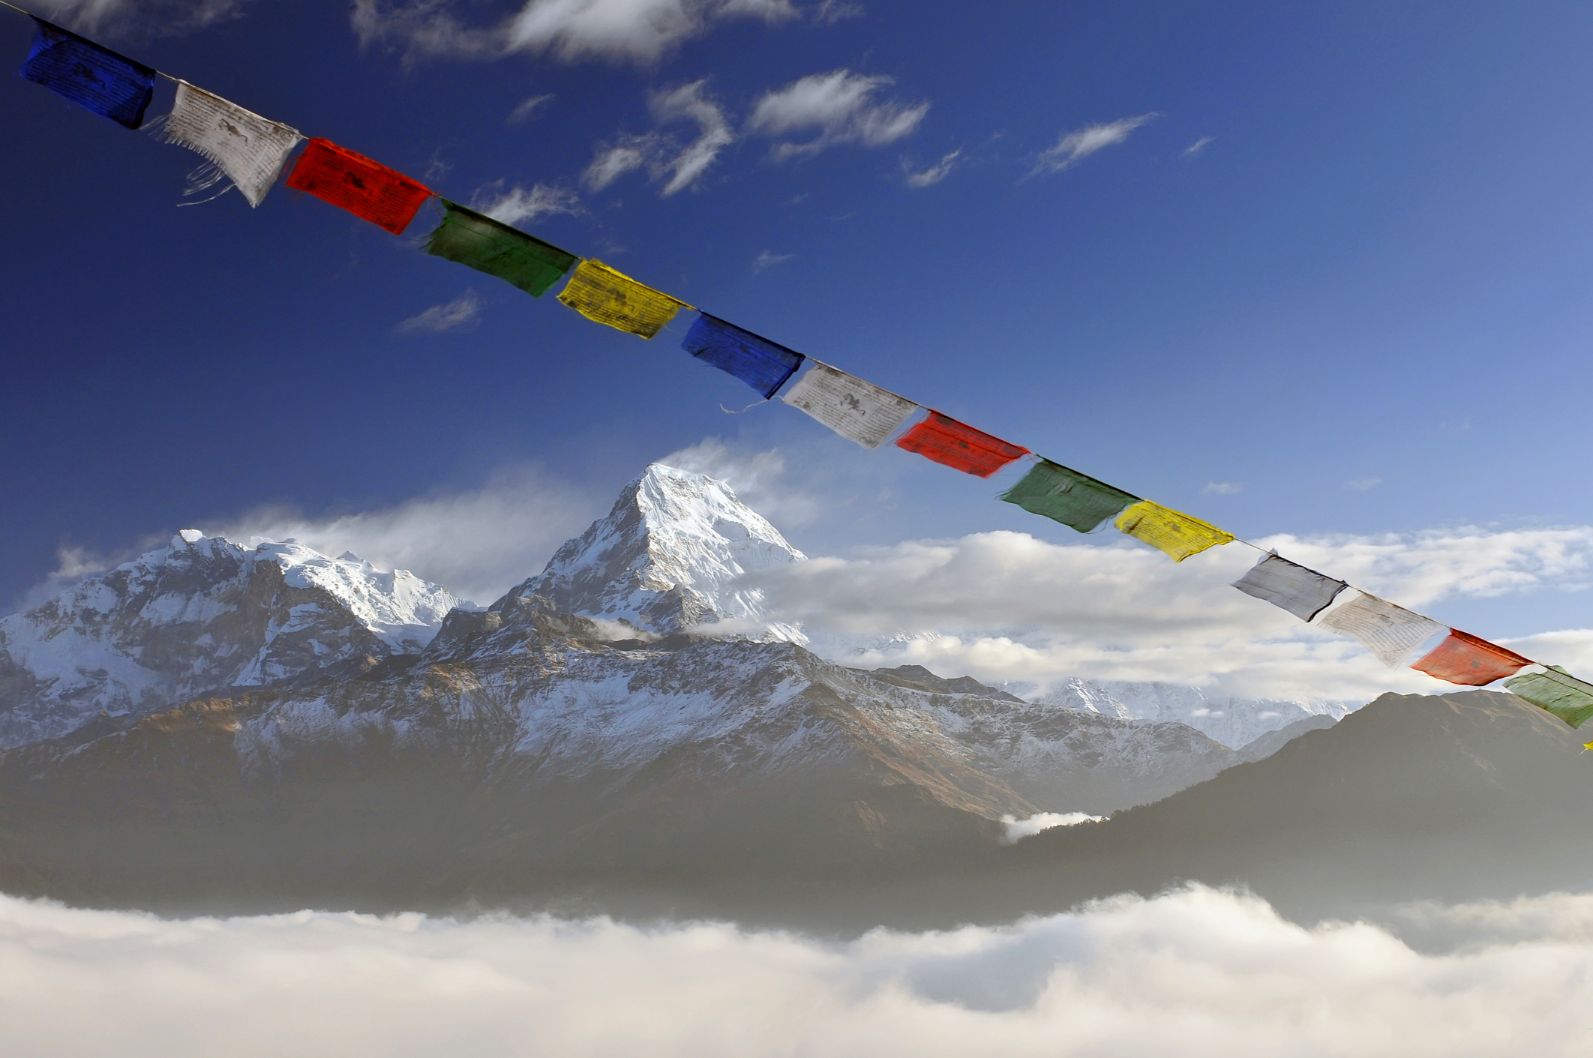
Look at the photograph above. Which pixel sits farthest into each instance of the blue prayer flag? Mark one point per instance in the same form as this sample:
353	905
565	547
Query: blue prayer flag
93	77
758	362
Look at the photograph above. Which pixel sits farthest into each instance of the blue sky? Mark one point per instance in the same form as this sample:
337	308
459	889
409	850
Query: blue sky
1357	307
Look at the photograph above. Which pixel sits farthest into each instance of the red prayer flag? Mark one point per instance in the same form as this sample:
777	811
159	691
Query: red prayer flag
959	446
1469	661
367	189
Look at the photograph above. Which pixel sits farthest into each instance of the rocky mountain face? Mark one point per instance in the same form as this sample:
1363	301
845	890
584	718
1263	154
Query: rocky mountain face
1235	722
200	614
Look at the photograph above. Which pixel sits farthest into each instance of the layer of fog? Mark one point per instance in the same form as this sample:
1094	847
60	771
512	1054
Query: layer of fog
1197	972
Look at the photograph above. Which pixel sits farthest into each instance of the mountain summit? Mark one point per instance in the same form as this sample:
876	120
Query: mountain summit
199	614
666	559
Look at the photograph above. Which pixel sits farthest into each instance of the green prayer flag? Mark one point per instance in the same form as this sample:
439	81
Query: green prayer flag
479	242
1561	694
1076	500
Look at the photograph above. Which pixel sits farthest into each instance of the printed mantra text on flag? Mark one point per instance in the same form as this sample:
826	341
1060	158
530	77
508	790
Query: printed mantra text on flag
368	189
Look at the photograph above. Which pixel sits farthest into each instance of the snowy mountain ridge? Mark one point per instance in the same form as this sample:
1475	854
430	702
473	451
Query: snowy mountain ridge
199	614
1233	721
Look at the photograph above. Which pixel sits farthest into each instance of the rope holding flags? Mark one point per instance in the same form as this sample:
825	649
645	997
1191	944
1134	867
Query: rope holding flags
251	152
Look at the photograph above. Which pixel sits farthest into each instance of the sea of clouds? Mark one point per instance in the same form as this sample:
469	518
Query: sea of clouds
1195	972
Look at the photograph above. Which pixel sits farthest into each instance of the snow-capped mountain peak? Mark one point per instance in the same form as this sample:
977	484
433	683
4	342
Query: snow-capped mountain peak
668	557
199	614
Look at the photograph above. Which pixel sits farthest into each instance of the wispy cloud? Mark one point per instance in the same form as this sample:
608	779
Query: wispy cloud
458	314
528	108
767	259
636	31
1199	145
1223	488
521	205
1073	147
1363	484
932	175
831	11
1196	972
837	107
150	17
668	162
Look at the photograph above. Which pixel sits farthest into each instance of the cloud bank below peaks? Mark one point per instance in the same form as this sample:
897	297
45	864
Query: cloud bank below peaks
1199	973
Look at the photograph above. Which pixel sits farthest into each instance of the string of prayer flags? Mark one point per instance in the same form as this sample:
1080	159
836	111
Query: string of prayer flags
1470	661
957	445
240	145
608	296
857	410
1562	694
92	76
368	189
477	241
1078	501
1290	586
1174	533
760	363
1391	632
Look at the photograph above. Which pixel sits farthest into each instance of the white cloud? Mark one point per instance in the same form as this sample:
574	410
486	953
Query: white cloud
463	311
478	542
691	102
1223	488
932	175
1018	829
666	160
1197	973
1073	147
522	205
626	155
1363	484
528	108
761	479
767	259
638	31
837	107
155	17
1199	146
829	12
1010	607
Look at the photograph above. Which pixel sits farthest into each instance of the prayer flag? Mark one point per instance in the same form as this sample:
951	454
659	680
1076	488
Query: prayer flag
241	145
1391	632
477	241
957	445
1290	586
612	298
93	77
1076	500
1470	661
368	189
857	410
760	363
1557	692
1174	533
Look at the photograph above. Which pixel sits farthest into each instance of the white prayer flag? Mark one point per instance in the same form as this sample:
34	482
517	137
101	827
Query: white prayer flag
241	145
857	410
1391	632
1290	586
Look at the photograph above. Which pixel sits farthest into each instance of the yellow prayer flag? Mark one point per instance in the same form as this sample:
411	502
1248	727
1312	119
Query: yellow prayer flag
614	299
1586	746
1171	532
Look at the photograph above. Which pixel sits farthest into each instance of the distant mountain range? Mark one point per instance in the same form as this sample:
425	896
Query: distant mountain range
217	727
